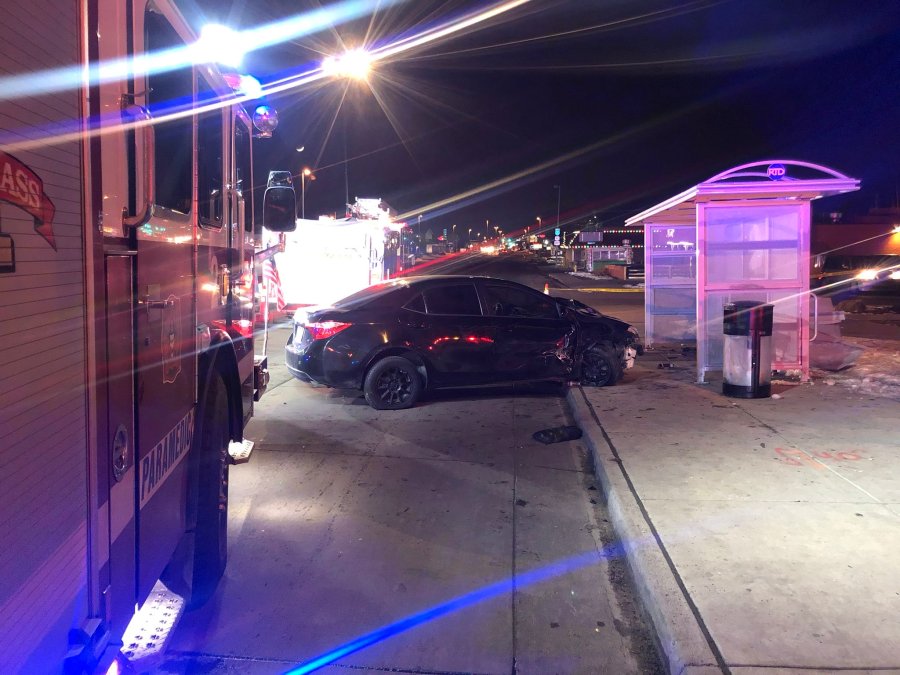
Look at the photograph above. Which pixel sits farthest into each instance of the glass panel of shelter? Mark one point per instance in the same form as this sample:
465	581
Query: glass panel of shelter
752	253
670	262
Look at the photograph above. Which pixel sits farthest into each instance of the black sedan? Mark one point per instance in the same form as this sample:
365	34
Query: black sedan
396	339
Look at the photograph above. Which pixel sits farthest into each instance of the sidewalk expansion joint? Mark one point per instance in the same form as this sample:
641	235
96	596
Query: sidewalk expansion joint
825	466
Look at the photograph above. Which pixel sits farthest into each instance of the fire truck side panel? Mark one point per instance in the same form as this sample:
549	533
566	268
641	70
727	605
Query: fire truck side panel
116	477
43	400
164	322
242	245
225	237
114	181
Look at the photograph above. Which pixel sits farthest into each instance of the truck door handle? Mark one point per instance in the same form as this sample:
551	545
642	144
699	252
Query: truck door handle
140	118
157	304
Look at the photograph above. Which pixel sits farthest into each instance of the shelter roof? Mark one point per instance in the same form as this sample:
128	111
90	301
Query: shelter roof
771	179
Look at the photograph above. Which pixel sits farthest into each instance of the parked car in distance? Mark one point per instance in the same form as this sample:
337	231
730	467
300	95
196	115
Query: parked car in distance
396	339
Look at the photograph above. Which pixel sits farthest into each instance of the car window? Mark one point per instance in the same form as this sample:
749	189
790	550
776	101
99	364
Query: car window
521	302
456	299
417	304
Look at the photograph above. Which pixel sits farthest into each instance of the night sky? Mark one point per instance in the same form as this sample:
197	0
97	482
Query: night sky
621	104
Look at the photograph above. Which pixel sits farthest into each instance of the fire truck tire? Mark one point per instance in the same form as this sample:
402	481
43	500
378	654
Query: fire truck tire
211	535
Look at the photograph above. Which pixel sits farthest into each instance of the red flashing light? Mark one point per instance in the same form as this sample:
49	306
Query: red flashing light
326	329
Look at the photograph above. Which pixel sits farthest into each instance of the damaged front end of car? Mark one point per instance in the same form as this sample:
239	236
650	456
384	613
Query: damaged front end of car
605	347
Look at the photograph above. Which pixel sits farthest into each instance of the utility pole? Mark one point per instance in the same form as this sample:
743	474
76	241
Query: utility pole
346	171
558	200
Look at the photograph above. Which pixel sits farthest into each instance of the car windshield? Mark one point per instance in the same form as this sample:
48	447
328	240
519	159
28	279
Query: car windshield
370	293
583	308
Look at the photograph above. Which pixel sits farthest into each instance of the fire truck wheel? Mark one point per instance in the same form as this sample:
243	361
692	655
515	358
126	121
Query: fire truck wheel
392	384
211	537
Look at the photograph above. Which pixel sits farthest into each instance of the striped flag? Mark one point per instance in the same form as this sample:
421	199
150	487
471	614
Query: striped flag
273	283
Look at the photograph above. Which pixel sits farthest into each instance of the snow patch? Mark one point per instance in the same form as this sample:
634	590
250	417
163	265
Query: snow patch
876	372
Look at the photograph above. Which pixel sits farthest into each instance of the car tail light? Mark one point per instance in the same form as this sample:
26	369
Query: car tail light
325	329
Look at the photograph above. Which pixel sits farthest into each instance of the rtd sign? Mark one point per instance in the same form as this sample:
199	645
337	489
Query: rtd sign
776	171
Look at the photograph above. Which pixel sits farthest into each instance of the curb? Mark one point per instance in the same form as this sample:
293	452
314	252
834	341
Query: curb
683	641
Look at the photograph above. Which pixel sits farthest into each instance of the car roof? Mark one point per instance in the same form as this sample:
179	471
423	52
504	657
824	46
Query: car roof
419	281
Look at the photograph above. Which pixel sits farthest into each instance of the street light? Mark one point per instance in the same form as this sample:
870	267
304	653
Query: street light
558	200
307	172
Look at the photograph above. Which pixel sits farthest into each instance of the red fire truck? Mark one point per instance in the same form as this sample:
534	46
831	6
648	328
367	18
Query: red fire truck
128	258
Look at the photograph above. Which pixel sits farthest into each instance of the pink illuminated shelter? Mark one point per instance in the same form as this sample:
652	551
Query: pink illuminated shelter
743	234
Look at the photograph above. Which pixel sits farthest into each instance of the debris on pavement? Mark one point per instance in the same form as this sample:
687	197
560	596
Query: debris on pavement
557	434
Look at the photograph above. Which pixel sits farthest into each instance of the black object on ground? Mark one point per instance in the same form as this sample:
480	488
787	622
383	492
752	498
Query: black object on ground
557	435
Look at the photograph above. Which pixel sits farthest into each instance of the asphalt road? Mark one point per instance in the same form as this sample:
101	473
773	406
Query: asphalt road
441	539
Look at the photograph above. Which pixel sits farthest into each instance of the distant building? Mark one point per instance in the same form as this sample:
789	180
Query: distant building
864	249
875	234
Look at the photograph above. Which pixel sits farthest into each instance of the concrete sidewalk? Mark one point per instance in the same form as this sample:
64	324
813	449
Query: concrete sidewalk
762	534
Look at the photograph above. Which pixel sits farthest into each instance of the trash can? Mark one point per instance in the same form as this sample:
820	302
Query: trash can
747	358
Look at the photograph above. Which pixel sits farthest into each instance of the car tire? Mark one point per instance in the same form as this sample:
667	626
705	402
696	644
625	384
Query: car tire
393	383
211	536
600	367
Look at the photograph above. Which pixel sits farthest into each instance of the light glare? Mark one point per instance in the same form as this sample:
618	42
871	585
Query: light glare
354	64
219	44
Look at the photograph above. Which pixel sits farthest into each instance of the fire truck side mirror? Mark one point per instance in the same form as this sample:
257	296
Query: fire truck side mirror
280	209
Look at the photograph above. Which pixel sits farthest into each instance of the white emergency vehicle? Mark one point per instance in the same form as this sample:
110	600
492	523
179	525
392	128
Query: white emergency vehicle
328	259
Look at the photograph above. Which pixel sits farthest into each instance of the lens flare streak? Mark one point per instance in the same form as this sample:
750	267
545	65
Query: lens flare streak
31	84
479	595
74	76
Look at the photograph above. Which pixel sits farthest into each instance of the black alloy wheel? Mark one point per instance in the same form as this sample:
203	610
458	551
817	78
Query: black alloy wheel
392	384
600	367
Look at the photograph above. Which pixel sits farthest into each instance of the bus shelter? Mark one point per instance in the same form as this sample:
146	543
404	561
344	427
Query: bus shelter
744	234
